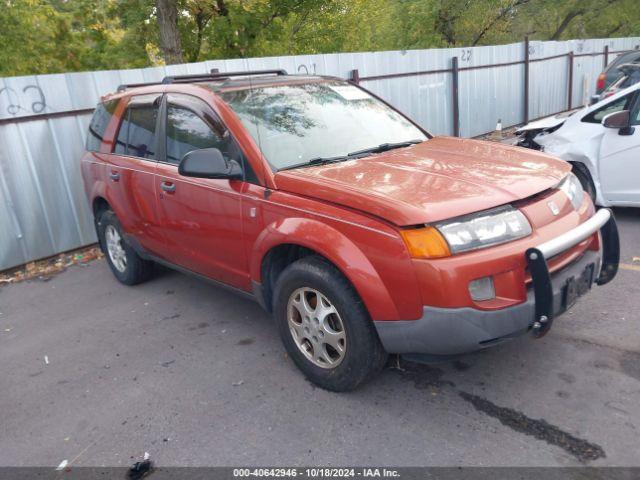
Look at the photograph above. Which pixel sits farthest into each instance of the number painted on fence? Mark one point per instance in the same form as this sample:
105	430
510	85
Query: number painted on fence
466	55
14	103
308	69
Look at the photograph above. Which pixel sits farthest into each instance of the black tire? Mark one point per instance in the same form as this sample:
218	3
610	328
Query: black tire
137	270
364	355
582	172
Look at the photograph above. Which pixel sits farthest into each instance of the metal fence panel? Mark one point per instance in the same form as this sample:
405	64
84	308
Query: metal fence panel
489	95
43	209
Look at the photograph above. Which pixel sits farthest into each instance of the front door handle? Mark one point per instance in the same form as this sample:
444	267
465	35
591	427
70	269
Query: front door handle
115	176
169	187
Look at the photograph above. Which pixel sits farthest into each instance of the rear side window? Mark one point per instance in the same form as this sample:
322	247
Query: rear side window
629	57
101	118
631	79
137	134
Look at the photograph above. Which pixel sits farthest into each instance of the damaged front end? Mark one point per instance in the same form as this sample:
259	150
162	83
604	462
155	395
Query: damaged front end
528	133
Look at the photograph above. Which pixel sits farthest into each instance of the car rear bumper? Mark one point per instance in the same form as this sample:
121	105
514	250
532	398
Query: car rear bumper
449	331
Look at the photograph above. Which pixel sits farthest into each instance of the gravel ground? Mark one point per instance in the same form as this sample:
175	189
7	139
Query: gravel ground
98	373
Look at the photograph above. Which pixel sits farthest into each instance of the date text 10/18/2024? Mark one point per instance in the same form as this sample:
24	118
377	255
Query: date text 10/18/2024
317	472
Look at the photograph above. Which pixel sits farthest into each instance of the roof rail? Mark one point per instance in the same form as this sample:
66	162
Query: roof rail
124	86
215	74
202	77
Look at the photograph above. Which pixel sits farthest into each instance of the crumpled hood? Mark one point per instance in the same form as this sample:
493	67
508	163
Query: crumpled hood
441	178
575	140
573	144
546	123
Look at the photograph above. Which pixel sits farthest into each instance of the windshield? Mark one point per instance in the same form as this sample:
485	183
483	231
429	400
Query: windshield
294	124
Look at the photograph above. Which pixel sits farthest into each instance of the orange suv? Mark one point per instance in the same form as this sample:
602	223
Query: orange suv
362	233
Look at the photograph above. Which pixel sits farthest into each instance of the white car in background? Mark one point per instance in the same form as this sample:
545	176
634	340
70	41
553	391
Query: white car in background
602	142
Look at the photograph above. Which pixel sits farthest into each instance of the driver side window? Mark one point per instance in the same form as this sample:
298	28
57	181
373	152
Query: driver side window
186	131
635	112
192	125
597	115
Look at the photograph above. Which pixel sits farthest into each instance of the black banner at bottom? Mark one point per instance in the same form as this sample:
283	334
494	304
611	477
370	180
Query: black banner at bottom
304	473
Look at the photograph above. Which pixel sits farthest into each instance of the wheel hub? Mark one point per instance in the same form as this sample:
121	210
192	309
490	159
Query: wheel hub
115	249
316	327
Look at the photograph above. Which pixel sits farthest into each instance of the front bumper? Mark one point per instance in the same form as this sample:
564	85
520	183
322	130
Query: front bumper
449	331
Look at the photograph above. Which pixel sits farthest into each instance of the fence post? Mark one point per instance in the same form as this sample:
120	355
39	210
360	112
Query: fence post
570	93
455	96
355	76
526	79
606	56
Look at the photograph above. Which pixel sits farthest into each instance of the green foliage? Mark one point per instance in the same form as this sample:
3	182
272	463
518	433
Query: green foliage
39	36
45	36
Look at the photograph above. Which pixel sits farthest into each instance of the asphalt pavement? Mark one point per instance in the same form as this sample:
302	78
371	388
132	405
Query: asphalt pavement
98	373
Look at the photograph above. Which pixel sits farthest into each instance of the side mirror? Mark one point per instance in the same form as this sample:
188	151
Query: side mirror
620	120
209	163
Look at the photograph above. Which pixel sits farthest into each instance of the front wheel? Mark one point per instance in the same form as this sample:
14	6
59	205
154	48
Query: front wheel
325	327
582	172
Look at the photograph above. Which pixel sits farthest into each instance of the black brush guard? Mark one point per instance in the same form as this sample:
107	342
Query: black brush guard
536	257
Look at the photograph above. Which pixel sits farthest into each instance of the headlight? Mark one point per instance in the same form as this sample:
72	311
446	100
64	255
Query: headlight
572	188
484	229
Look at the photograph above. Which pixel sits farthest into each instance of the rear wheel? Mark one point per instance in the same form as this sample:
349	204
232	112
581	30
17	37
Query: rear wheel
127	266
325	327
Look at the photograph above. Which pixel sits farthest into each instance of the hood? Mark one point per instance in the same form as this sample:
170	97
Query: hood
438	179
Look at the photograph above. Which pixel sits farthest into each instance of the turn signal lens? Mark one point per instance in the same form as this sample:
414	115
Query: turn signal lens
425	243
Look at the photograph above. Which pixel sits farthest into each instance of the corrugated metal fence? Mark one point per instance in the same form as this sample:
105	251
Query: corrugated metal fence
43	118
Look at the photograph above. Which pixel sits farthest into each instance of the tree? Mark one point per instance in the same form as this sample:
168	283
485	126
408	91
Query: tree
170	44
71	35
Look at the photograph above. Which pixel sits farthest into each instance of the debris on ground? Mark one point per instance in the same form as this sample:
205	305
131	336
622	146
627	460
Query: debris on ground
44	269
46	360
505	135
141	469
237	384
63	465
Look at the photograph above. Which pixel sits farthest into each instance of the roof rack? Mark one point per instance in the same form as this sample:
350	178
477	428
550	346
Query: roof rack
215	74
124	86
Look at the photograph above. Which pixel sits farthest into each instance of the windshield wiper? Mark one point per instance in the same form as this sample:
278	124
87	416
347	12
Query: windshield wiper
384	147
351	156
316	161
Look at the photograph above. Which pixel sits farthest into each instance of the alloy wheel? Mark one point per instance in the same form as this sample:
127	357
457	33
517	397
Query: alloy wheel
316	327
115	249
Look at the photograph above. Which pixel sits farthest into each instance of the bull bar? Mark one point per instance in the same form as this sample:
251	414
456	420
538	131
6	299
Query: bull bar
537	257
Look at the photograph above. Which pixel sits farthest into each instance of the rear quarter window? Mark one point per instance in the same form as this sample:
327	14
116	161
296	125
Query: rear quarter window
101	118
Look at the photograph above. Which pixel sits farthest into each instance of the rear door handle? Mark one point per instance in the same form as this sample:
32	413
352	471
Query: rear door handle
115	176
169	187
